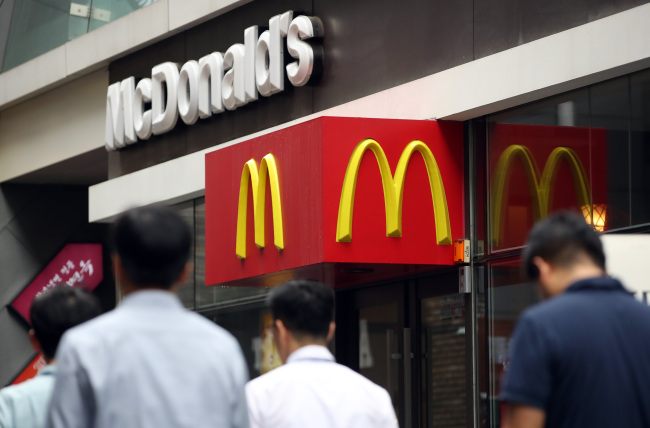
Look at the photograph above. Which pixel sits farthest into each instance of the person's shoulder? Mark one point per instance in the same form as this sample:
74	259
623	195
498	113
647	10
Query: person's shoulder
212	338
207	327
546	310
92	330
268	380
27	388
352	377
282	376
12	392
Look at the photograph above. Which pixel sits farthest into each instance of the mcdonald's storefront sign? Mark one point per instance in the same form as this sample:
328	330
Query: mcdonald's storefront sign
334	196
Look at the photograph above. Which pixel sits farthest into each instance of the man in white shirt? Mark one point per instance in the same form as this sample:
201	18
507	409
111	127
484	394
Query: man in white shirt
52	313
150	363
311	389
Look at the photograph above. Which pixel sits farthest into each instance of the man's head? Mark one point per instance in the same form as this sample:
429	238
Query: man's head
303	314
152	247
57	310
562	249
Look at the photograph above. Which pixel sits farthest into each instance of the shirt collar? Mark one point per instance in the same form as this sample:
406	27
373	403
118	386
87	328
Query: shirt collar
603	283
311	353
49	369
152	298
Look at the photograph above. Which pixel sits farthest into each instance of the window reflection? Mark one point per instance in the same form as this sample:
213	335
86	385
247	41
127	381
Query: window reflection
586	151
640	147
508	296
538	169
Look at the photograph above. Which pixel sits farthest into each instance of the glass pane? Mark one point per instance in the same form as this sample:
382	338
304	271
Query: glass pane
379	351
444	383
542	157
508	296
207	296
482	328
610	120
186	291
640	147
478	128
38	27
251	326
109	10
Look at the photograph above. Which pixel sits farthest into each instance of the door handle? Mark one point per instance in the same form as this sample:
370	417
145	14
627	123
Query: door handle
391	355
408	375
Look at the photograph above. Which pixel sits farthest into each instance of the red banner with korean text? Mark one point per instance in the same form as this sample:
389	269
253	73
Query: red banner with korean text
77	265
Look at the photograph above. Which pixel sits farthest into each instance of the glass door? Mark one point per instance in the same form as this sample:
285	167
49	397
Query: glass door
410	338
444	360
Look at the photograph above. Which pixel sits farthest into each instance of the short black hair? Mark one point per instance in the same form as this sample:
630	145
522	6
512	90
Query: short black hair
153	244
58	309
305	307
560	239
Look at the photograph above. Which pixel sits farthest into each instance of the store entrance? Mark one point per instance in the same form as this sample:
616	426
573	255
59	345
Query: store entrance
409	336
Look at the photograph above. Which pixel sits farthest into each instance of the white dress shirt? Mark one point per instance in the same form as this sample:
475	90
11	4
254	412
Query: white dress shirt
312	391
150	363
25	405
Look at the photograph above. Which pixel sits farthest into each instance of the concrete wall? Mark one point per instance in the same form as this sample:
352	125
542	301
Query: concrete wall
35	223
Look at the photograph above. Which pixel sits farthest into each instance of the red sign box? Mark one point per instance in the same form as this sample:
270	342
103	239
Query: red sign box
77	265
311	161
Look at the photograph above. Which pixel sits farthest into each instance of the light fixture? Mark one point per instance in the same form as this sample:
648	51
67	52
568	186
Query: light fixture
596	215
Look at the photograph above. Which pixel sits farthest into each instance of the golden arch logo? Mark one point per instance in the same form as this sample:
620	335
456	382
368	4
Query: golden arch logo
393	190
257	179
540	190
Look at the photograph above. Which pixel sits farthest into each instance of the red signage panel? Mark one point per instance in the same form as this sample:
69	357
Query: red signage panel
31	370
334	191
77	265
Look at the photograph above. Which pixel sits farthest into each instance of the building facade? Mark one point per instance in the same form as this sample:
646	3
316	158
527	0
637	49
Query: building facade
399	153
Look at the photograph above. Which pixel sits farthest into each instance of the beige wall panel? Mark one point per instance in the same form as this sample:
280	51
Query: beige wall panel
54	126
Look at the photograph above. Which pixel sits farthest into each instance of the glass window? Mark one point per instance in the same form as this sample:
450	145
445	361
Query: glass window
610	120
186	290
508	296
444	371
215	295
539	161
39	26
583	151
640	147
251	325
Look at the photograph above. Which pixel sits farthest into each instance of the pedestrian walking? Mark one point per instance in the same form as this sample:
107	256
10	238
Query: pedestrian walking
311	389
52	313
582	357
150	363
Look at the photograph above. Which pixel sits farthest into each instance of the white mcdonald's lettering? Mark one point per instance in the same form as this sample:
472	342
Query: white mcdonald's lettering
216	82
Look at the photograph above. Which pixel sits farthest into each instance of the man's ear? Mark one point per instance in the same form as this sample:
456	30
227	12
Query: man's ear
187	271
118	268
330	333
282	330
543	267
34	341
